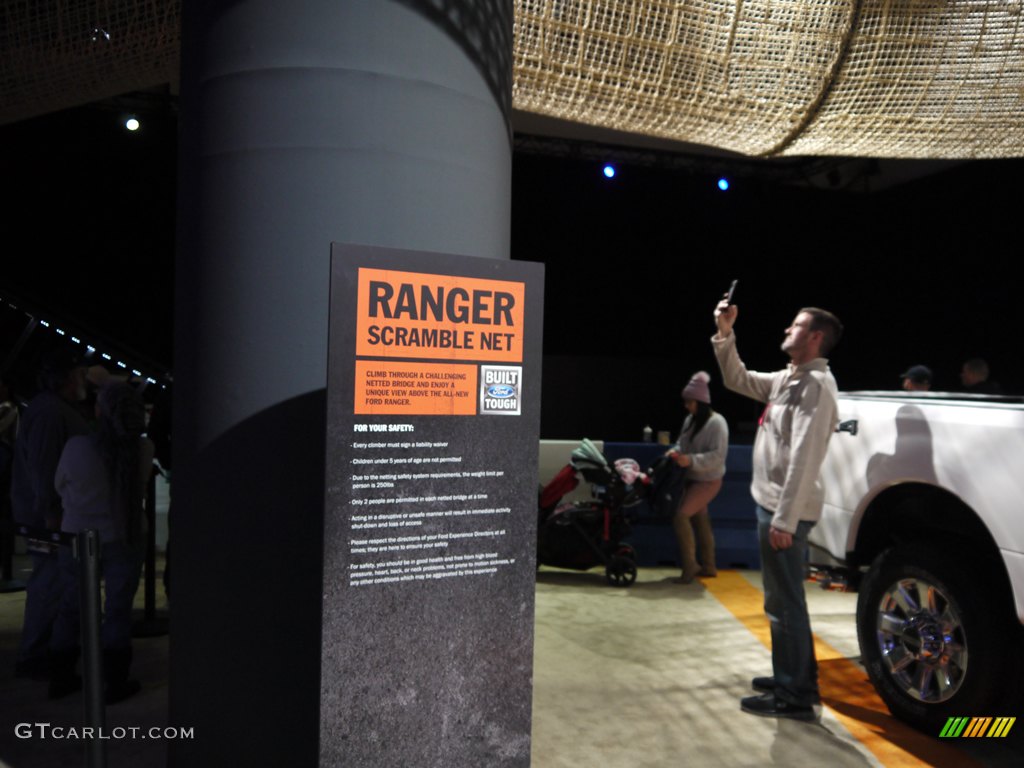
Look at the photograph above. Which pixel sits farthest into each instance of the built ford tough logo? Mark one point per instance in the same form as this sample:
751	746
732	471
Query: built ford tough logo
501	389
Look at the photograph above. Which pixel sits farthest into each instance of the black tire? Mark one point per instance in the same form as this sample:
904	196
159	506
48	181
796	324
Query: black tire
621	571
933	634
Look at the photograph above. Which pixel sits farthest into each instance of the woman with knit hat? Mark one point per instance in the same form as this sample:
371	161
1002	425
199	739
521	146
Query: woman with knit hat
701	449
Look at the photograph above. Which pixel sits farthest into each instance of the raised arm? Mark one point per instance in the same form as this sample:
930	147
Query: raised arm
734	372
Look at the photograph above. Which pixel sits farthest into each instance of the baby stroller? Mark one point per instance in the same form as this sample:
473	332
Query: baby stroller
585	534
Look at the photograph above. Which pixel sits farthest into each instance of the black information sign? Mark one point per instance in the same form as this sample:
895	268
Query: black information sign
431	509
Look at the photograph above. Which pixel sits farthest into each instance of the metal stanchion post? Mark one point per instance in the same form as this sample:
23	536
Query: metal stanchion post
151	548
7	581
152	624
87	554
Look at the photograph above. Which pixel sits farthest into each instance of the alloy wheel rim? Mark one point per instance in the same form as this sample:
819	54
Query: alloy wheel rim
922	640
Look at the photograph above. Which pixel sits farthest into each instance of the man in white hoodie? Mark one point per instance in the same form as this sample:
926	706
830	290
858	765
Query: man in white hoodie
793	433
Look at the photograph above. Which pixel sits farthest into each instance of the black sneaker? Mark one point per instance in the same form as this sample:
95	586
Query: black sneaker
763	684
118	692
64	686
37	668
766	705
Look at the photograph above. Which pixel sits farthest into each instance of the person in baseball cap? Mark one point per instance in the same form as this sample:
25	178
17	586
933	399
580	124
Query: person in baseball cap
917	378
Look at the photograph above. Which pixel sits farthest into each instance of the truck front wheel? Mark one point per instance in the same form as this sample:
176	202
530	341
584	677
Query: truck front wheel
931	636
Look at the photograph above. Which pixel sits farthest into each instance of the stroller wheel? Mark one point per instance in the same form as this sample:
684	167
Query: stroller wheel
621	571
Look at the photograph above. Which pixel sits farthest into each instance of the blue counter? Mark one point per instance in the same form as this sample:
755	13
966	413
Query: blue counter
732	513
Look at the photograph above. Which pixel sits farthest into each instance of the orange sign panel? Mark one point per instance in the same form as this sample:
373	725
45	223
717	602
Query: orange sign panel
415	315
415	389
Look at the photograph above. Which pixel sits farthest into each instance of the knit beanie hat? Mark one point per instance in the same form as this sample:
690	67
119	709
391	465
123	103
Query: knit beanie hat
697	389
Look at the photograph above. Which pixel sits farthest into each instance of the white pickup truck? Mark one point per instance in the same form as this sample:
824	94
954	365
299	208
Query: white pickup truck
924	516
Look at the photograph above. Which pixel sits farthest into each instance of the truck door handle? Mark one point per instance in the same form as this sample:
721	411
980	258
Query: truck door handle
848	426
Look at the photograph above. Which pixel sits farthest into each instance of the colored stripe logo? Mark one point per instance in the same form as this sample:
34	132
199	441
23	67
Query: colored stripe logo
977	727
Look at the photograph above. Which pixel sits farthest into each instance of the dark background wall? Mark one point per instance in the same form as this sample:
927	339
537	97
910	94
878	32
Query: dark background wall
920	273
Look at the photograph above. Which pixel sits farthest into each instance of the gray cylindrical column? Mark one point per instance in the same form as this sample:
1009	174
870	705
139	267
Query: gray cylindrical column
382	123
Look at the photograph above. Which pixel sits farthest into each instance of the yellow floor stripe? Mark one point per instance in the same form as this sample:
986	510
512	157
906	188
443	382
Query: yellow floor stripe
845	689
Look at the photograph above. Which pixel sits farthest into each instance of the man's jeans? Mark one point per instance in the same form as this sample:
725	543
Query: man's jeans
783	573
42	598
121	567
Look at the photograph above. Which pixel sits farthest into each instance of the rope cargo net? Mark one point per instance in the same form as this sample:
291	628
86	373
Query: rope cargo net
917	78
885	78
56	54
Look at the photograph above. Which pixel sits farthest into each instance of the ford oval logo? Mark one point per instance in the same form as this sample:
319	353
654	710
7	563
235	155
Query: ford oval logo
501	390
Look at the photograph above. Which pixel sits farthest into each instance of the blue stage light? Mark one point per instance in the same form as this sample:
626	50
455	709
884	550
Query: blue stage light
723	184
609	171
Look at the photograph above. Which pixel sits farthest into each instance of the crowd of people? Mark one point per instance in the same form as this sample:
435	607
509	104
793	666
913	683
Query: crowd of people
798	420
974	378
65	467
72	468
